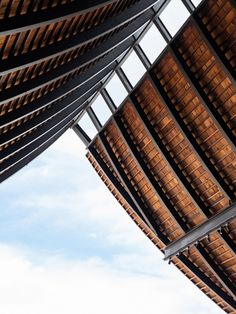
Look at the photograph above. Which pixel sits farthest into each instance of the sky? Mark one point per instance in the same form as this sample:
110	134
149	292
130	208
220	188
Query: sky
67	246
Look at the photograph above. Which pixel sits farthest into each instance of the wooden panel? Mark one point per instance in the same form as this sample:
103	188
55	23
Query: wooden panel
197	119
182	154
214	82
219	18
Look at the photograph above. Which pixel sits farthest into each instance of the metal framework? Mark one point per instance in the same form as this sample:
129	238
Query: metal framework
167	153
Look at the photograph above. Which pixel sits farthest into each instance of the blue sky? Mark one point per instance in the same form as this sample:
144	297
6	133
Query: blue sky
66	246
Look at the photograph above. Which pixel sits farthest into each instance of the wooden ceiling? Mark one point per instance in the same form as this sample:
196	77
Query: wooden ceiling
54	54
168	152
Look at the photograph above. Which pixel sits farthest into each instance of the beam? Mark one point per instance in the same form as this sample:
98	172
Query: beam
94	118
201	231
213	47
157	189
108	100
33	155
30	20
161	148
81	134
181	223
183	181
202	96
51	97
70	102
147	217
73	65
189	137
13	63
34	144
121	189
207	281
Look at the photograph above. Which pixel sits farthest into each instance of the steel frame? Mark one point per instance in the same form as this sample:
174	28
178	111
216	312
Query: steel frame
20	23
14	63
202	231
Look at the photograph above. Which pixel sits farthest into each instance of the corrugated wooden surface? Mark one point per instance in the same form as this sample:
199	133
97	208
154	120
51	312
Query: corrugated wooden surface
217	88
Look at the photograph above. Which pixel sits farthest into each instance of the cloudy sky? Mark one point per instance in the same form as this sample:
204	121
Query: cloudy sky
66	246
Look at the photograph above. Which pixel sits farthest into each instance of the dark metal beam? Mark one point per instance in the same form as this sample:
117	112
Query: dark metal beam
34	144
186	186
94	119
161	147
13	63
189	137
147	217
201	231
81	134
202	96
88	57
121	189
157	189
94	70
34	154
70	102
51	97
207	281
213	47
221	276
142	56
108	100
24	22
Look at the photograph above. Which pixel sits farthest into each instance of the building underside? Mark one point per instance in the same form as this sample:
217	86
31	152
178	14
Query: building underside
167	153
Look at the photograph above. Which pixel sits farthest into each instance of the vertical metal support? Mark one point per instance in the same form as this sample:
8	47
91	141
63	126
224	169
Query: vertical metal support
142	56
162	29
108	100
189	137
121	74
189	5
81	134
94	119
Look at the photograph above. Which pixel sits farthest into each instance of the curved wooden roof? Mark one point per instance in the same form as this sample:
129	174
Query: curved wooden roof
53	57
168	152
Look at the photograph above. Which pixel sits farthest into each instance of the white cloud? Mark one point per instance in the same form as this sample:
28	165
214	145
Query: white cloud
90	286
61	190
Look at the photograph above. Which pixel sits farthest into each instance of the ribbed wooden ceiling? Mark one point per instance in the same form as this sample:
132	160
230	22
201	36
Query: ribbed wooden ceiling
168	152
53	57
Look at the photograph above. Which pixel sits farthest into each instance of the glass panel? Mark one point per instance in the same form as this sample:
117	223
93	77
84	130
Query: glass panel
152	43
101	109
174	16
133	68
87	125
116	90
